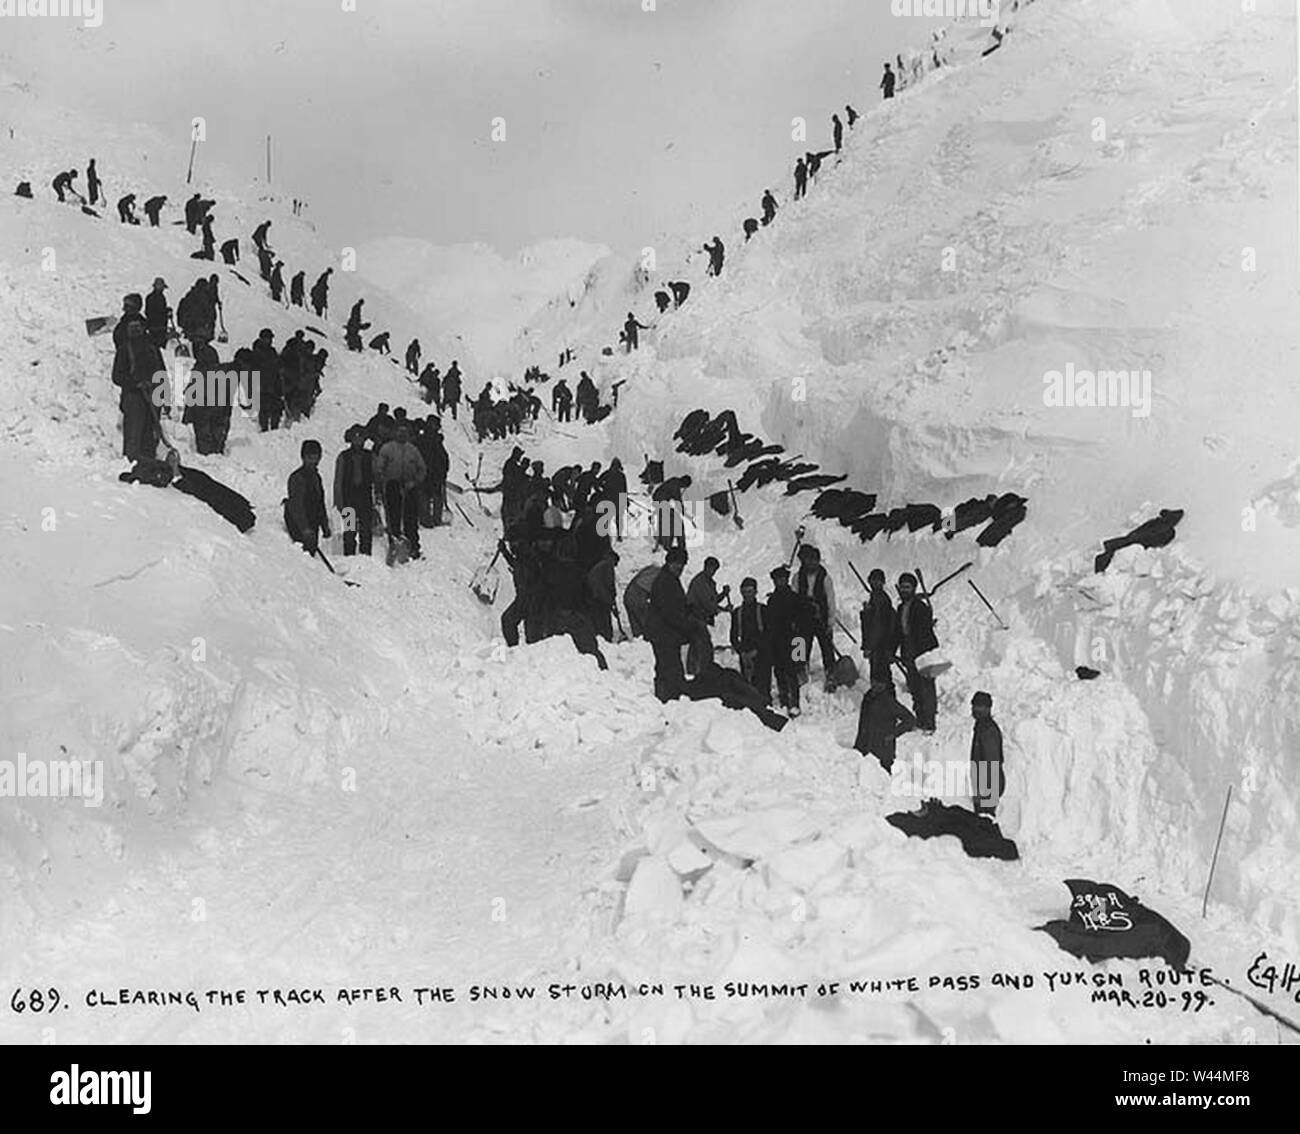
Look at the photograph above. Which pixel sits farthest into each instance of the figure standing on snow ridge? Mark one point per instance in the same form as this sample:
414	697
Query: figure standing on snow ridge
305	516
413	357
277	281
851	114
126	210
296	286
93	183
354	326
561	400
158	313
837	131
259	234
988	779
800	179
630	328
769	208
431	385
716	252
451	389
320	293
887	82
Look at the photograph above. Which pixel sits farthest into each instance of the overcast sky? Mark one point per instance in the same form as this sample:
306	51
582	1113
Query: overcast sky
622	126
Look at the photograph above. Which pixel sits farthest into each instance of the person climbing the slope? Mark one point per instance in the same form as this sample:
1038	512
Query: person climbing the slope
451	390
320	293
630	329
716	253
887	81
769	208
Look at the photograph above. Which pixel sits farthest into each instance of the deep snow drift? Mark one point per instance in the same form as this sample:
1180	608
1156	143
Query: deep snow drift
309	785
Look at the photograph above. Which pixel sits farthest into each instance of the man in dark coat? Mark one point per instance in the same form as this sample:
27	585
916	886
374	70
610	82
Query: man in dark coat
158	313
226	502
914	633
602	593
610	497
138	370
320	293
769	208
209	400
451	390
749	640
631	328
887	81
669	626
881	721
296	286
561	400
270	383
152	207
988	780
785	647
877	621
305	514
354	489
431	385
93	183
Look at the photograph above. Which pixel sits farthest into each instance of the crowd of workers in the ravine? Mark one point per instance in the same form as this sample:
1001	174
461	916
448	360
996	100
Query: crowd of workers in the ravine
393	473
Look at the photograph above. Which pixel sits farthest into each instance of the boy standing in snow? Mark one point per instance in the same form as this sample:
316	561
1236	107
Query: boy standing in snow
304	509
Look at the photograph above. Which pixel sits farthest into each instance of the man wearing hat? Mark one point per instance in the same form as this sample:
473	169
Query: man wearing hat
914	633
669	626
354	481
137	371
988	780
785	645
157	313
814	587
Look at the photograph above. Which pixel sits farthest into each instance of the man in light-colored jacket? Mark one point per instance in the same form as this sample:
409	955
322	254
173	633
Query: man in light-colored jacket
401	472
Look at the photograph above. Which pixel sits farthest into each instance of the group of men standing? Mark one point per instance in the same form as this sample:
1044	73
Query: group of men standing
391	462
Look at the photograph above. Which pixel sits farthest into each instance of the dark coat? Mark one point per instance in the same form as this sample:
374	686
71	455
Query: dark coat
918	637
667	618
881	721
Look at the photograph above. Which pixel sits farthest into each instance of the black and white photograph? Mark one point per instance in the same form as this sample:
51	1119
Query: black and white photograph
651	522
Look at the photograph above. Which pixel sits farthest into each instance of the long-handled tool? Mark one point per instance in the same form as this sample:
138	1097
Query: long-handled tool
735	511
479	583
858	575
798	540
321	556
1002	625
462	512
949	577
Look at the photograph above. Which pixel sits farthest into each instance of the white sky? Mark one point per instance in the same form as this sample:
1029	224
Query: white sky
623	126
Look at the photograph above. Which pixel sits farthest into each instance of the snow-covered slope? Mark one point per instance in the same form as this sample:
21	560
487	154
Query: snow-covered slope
471	295
313	785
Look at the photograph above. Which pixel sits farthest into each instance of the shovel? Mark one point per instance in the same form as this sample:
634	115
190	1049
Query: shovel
798	539
346	582
735	511
484	583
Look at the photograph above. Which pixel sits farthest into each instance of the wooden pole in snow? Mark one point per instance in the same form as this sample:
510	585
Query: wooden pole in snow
1205	902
